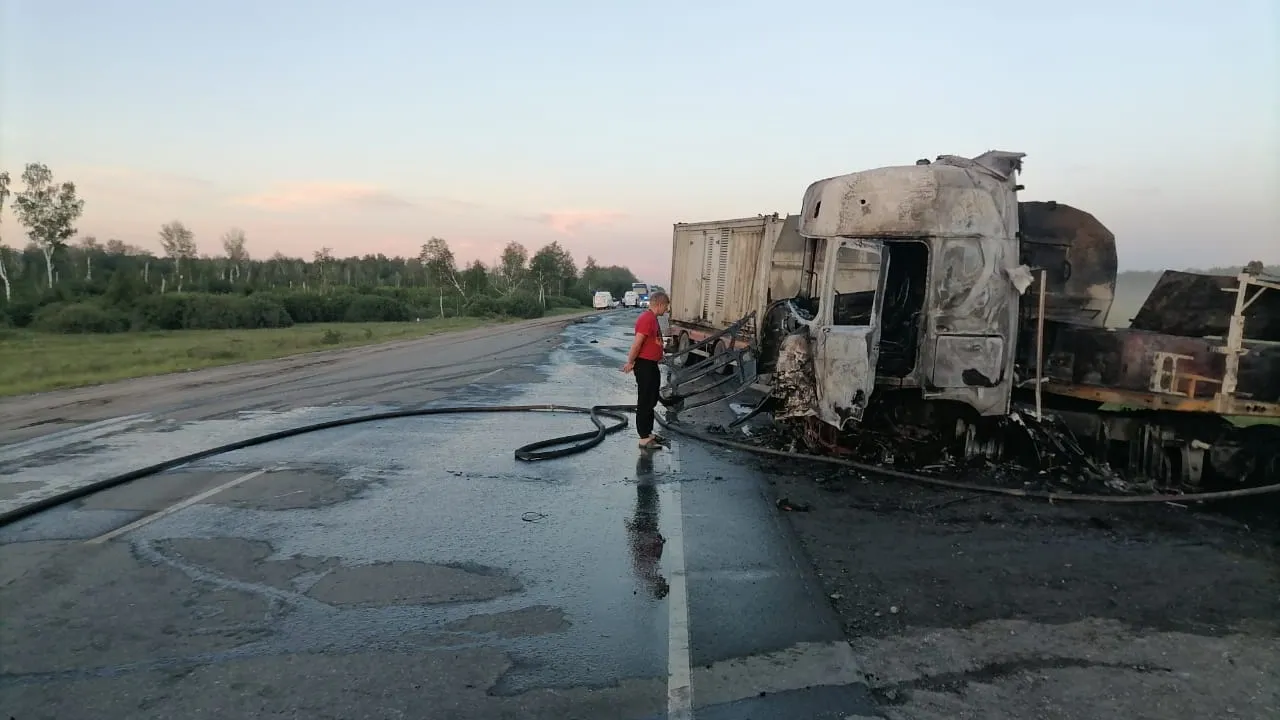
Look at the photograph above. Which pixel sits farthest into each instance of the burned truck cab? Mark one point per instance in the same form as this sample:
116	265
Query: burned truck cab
913	278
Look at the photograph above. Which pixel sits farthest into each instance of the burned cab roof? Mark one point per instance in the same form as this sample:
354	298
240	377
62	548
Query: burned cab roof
952	196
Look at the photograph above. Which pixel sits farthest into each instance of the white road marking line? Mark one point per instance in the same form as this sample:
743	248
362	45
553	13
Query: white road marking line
679	680
176	507
489	374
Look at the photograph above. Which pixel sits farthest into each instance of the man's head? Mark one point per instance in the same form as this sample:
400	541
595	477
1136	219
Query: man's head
659	303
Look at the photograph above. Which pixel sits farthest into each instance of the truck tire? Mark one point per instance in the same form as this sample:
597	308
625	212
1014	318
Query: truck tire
682	344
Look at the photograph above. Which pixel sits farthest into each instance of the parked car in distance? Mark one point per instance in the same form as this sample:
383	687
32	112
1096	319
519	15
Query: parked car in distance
602	300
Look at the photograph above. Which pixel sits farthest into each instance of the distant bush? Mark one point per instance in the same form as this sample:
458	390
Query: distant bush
124	290
159	312
79	318
521	305
377	308
21	312
127	303
312	307
483	306
264	312
200	311
562	301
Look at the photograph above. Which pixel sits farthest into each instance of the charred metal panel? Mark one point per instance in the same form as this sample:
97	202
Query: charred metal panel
1078	254
782	318
844	368
1198	305
1137	360
786	265
967	361
847	344
971	293
793	379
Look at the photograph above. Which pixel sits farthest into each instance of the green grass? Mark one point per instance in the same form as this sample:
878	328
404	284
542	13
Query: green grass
35	362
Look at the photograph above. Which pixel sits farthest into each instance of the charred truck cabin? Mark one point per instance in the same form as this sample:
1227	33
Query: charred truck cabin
925	300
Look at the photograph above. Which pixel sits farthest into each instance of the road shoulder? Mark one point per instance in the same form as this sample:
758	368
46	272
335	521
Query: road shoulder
963	606
57	406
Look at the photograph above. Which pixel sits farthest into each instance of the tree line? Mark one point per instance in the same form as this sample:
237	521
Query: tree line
61	282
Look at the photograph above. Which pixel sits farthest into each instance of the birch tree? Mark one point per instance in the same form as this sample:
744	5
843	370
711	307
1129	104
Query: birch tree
512	267
4	272
179	244
233	243
440	265
89	245
48	210
554	270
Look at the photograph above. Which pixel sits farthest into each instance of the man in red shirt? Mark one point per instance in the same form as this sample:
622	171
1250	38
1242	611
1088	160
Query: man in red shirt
644	356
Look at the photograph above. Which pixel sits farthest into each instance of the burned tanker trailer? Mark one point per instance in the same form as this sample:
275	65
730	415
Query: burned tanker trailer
922	314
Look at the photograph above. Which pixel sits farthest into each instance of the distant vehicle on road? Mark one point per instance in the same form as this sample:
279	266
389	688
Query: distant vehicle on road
630	299
602	300
642	291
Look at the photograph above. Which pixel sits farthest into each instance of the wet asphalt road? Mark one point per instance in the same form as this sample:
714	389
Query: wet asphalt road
412	568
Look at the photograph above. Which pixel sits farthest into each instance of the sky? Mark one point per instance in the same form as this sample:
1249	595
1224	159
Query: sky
370	127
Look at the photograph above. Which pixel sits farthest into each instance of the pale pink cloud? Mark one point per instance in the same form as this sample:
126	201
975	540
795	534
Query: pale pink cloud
290	197
571	222
352	219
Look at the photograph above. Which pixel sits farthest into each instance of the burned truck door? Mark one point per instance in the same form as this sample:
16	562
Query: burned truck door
846	336
968	352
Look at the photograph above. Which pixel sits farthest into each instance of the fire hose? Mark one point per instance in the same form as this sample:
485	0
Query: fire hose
564	446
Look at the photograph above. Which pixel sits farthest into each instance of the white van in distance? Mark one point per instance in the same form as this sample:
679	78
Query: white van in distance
602	300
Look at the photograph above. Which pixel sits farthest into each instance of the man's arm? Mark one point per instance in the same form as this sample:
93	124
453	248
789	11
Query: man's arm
634	352
644	329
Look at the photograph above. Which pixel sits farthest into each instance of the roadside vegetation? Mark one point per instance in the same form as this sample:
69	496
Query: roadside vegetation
32	361
74	310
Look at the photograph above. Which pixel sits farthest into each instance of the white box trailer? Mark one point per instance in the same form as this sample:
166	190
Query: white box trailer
715	269
722	270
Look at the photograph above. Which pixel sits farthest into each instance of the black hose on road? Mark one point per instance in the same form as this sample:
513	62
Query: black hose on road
565	446
583	441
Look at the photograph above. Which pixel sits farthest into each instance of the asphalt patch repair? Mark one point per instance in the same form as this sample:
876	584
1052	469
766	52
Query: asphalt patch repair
331	582
964	605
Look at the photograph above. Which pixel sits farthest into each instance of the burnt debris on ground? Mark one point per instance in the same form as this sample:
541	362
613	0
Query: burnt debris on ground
1049	460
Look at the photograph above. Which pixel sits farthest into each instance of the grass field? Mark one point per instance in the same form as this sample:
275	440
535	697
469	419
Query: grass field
35	362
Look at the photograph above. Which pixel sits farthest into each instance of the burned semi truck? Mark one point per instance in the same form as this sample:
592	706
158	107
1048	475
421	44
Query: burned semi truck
926	302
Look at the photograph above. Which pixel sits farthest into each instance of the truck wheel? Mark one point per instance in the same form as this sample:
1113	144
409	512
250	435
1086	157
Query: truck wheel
682	344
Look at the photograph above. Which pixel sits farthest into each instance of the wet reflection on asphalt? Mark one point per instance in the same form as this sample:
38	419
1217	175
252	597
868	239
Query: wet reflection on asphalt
642	530
414	536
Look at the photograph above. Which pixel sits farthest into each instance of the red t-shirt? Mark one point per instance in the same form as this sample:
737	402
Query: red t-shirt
647	325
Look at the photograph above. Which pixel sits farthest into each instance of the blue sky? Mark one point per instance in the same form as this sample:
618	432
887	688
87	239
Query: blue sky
372	126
